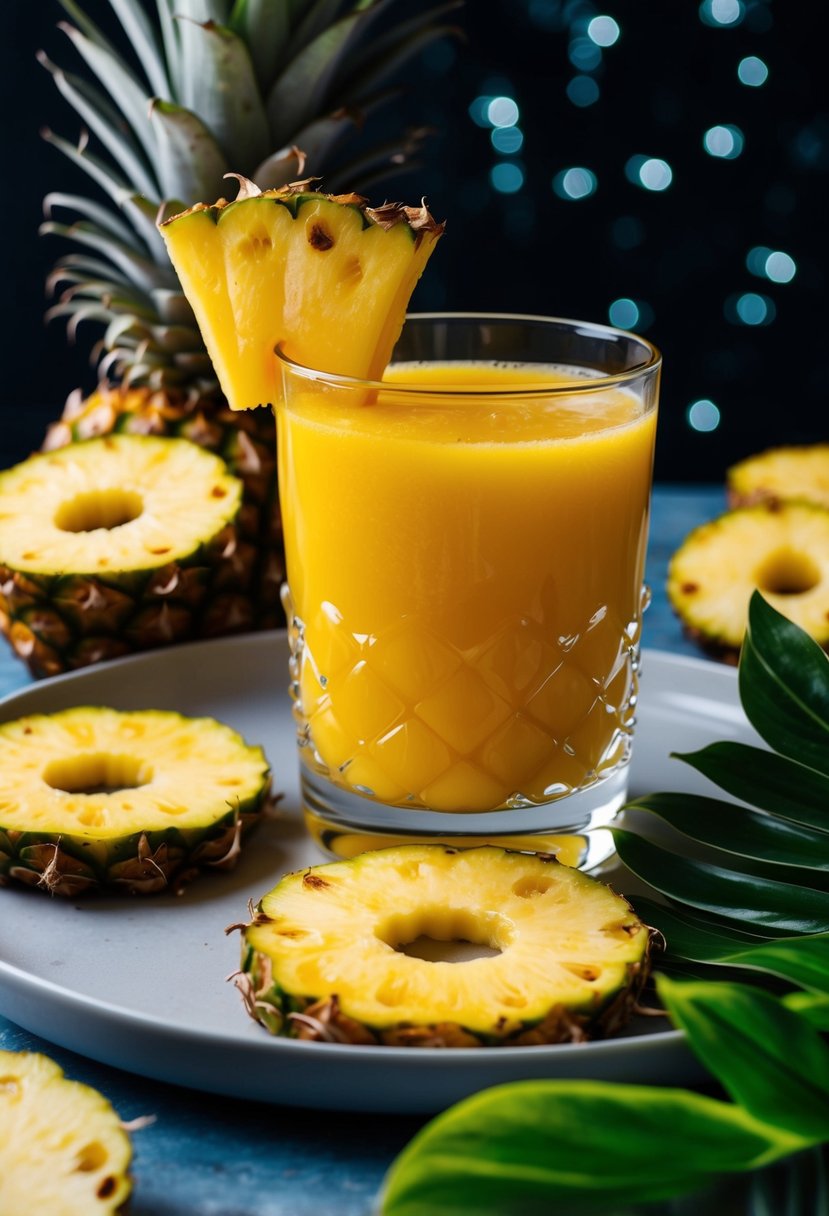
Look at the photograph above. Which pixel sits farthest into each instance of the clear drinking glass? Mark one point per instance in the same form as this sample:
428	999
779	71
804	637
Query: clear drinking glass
465	549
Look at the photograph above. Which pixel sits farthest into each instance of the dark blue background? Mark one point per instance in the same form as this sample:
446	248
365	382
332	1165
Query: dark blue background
680	253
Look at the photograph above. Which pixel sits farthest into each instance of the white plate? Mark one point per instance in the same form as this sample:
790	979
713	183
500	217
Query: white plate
140	983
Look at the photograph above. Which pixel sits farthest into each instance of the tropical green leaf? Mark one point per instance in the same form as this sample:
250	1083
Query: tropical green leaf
539	1147
784	686
812	1006
736	829
765	780
386	46
770	1061
760	904
693	937
191	165
220	86
172	48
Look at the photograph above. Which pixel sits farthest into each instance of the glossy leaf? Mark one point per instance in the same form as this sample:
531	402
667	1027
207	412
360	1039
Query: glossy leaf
763	779
767	1058
692	937
809	1005
760	904
572	1146
736	829
784	686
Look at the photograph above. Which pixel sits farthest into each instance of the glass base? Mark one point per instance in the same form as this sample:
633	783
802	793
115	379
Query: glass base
573	828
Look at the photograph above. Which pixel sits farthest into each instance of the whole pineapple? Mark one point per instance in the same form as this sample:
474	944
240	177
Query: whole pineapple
207	87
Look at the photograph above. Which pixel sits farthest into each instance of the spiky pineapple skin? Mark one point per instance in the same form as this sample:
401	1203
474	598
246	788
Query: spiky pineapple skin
74	859
64	618
63	1149
330	1016
713	573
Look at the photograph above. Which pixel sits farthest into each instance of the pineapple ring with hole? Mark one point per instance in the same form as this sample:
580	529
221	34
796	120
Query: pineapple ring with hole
780	548
94	798
321	958
115	545
63	1149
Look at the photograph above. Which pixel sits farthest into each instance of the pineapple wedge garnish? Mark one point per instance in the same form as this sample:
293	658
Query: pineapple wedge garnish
327	278
63	1150
323	956
99	799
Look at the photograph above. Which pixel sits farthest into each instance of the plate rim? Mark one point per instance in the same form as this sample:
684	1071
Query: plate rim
125	1020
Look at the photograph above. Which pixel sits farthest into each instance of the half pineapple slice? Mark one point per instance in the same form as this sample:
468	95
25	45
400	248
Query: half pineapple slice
326	276
63	1151
119	544
780	548
780	475
94	798
322	956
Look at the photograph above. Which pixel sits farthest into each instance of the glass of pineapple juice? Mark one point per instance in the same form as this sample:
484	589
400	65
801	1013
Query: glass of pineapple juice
465	547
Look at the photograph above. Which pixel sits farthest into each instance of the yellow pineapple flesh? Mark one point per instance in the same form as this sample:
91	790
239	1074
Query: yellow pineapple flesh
780	475
93	798
63	1150
780	548
327	278
323	957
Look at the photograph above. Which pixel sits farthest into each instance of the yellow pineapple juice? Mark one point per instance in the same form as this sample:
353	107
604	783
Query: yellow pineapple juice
465	572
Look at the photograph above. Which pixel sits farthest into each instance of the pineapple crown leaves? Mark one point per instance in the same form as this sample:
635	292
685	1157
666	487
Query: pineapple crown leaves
205	80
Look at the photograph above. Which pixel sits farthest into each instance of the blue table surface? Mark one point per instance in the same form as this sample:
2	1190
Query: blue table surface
215	1156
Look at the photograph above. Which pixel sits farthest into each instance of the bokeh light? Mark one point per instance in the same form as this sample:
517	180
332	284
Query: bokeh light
752	71
627	313
721	12
575	183
584	54
780	267
503	112
583	91
507	140
649	172
506	177
725	142
750	308
603	30
703	415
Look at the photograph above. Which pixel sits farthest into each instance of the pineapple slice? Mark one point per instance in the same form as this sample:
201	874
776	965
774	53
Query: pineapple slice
119	544
326	276
63	1150
94	798
781	474
321	958
780	548
245	441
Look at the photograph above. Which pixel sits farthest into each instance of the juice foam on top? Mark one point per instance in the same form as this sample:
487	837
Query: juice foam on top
533	404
